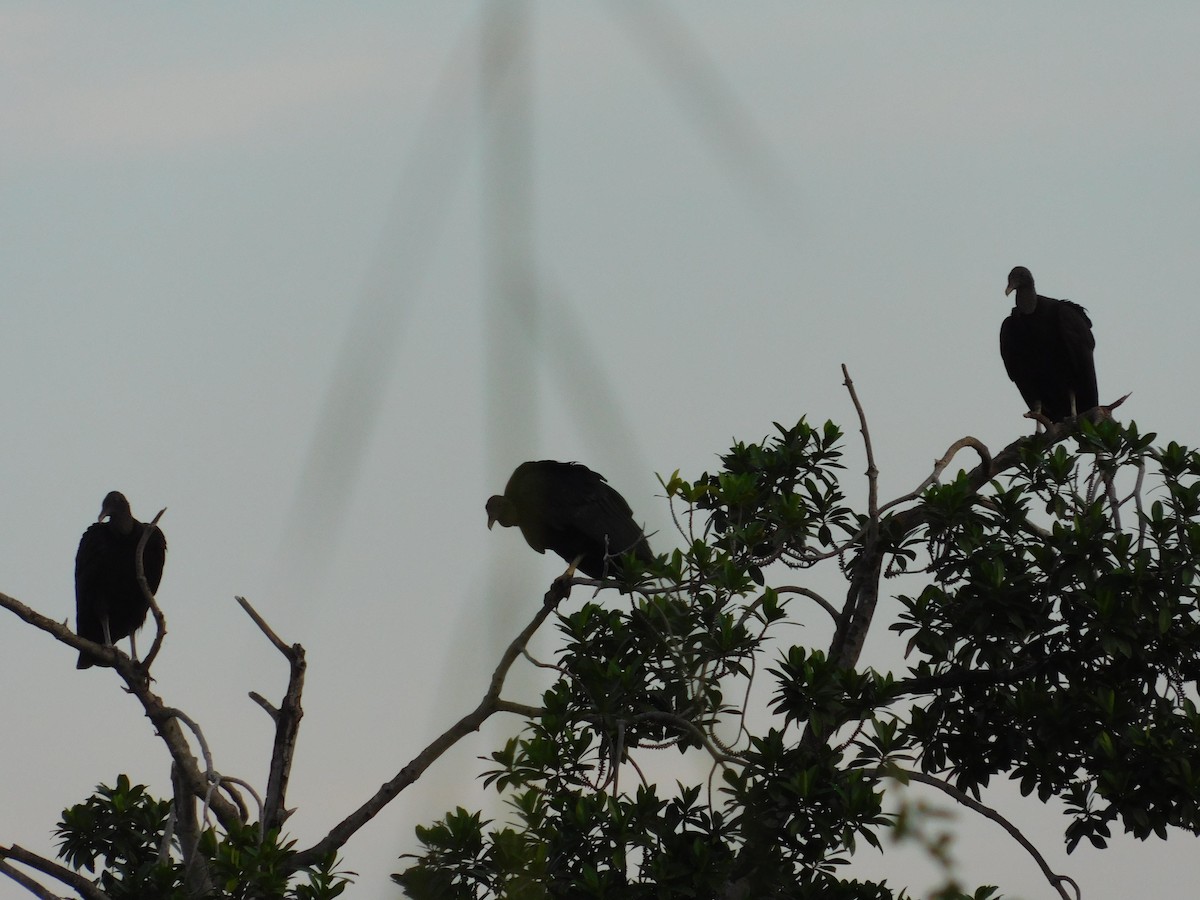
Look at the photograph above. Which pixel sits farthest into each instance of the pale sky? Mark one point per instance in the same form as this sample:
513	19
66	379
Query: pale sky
216	217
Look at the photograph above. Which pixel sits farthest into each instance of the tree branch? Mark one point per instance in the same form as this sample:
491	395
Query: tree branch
1056	881
472	721
26	882
73	880
160	621
197	878
939	466
287	722
872	472
137	680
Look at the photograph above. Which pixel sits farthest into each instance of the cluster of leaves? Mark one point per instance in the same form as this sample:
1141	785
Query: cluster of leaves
769	501
123	836
1058	645
1049	644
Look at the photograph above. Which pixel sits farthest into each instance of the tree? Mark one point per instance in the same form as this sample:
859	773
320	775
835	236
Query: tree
1052	639
1048	615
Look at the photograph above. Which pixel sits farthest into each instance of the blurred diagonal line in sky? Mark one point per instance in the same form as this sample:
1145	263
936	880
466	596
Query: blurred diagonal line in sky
717	113
490	63
360	378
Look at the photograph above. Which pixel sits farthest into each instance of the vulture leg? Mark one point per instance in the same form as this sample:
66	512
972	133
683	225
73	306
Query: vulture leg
133	647
1040	419
561	588
108	642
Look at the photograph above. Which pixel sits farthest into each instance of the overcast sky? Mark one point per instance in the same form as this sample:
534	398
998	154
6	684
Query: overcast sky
249	263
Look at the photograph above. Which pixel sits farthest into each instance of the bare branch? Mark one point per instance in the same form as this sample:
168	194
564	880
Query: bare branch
265	704
160	622
166	720
73	880
26	882
287	723
872	472
138	682
940	465
472	721
520	709
190	723
264	627
59	631
227	782
811	595
196	874
1056	881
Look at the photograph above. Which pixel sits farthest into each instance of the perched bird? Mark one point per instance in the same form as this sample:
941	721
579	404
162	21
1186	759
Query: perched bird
109	602
568	508
1046	345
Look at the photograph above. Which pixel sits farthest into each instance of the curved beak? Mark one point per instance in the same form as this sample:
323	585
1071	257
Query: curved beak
491	522
1008	290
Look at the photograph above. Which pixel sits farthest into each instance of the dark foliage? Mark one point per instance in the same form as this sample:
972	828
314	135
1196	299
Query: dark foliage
123	836
1053	640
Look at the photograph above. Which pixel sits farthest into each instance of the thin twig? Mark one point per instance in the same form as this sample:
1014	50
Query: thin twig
940	465
265	704
266	629
1137	501
160	621
187	720
228	780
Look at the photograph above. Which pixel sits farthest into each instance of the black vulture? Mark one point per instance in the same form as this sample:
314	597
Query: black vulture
568	508
109	602
1046	345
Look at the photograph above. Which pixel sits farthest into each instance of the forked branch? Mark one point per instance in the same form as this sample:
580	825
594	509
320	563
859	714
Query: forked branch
287	721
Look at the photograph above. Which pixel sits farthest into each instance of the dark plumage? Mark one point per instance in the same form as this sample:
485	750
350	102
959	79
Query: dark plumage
568	508
1046	345
109	602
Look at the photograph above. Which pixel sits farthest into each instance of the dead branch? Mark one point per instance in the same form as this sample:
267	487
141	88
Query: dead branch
265	704
138	683
196	876
266	629
872	472
491	703
287	722
227	785
1056	881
